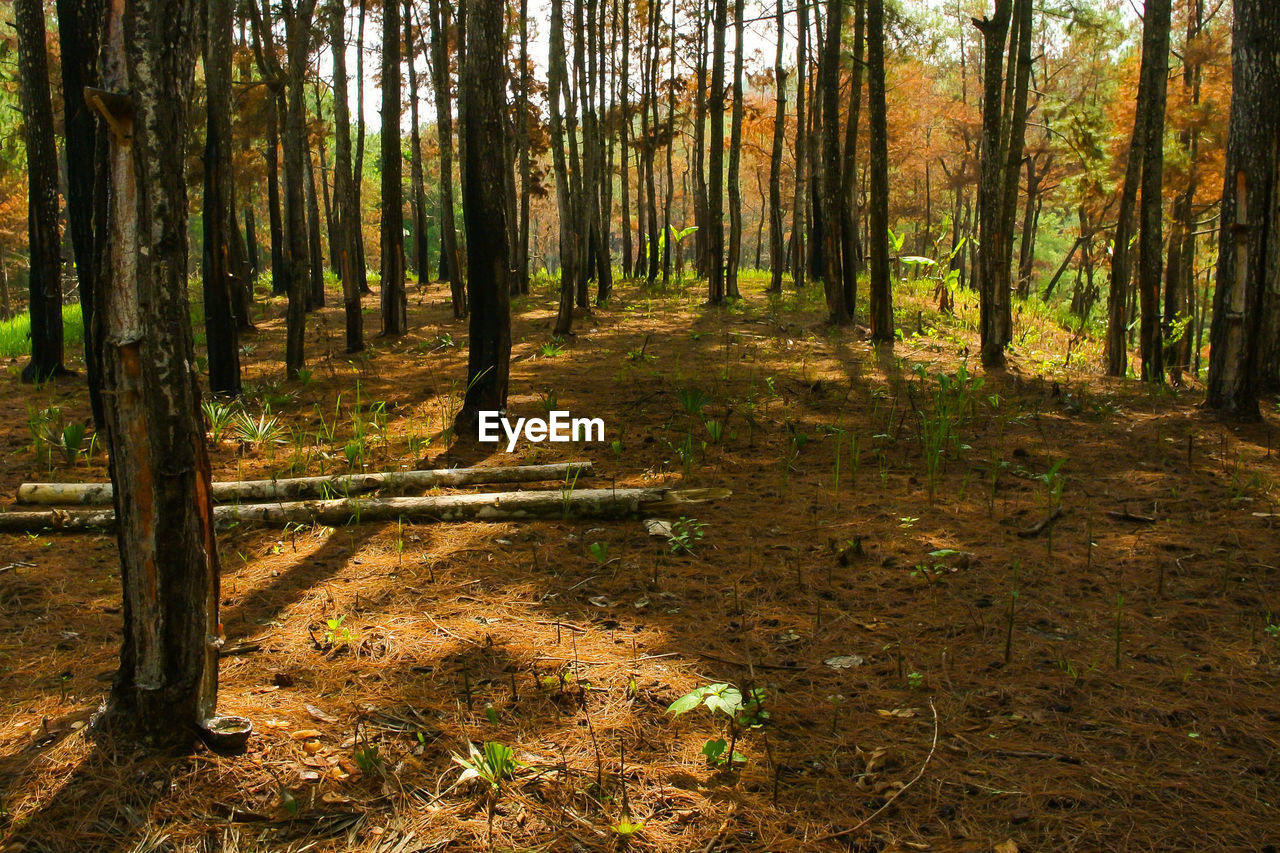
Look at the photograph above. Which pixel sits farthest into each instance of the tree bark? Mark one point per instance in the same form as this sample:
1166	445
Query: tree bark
394	304
484	213
715	162
850	250
735	153
254	491
43	233
223	345
881	292
452	264
166	685
992	240
777	245
346	212
493	506
801	146
832	182
79	28
417	187
1249	241
1155	65
557	81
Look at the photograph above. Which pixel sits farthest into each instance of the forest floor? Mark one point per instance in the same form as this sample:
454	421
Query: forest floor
1108	683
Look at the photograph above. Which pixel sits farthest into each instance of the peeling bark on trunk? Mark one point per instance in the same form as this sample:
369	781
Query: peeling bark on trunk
1249	240
166	685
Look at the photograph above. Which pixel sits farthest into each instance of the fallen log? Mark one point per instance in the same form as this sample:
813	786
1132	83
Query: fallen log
338	485
493	506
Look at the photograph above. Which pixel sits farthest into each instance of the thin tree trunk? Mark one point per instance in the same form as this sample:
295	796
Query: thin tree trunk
735	154
439	14
43	234
1155	62
777	247
881	294
521	284
991	244
315	298
832	180
219	211
346	214
801	147
557	82
417	188
715	164
79	27
850	250
394	304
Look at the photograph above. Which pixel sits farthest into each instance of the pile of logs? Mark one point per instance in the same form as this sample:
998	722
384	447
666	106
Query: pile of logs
340	499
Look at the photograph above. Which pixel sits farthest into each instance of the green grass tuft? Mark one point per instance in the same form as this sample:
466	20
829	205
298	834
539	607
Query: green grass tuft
15	333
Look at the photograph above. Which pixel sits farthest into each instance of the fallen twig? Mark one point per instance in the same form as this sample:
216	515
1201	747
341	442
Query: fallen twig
1125	515
1040	526
894	796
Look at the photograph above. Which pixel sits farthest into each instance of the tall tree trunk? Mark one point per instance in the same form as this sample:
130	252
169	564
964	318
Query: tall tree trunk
251	243
523	157
777	246
557	82
346	213
279	249
798	210
315	296
1155	65
166	685
652	254
297	39
832	180
452	263
735	154
361	264
625	141
484	211
715	165
1015	144
43	234
850	251
417	188
992	241
702	236
1249	239
394	305
322	151
219	205
880	290
79	26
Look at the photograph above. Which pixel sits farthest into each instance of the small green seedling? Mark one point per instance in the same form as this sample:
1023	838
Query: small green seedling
685	534
599	551
725	700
